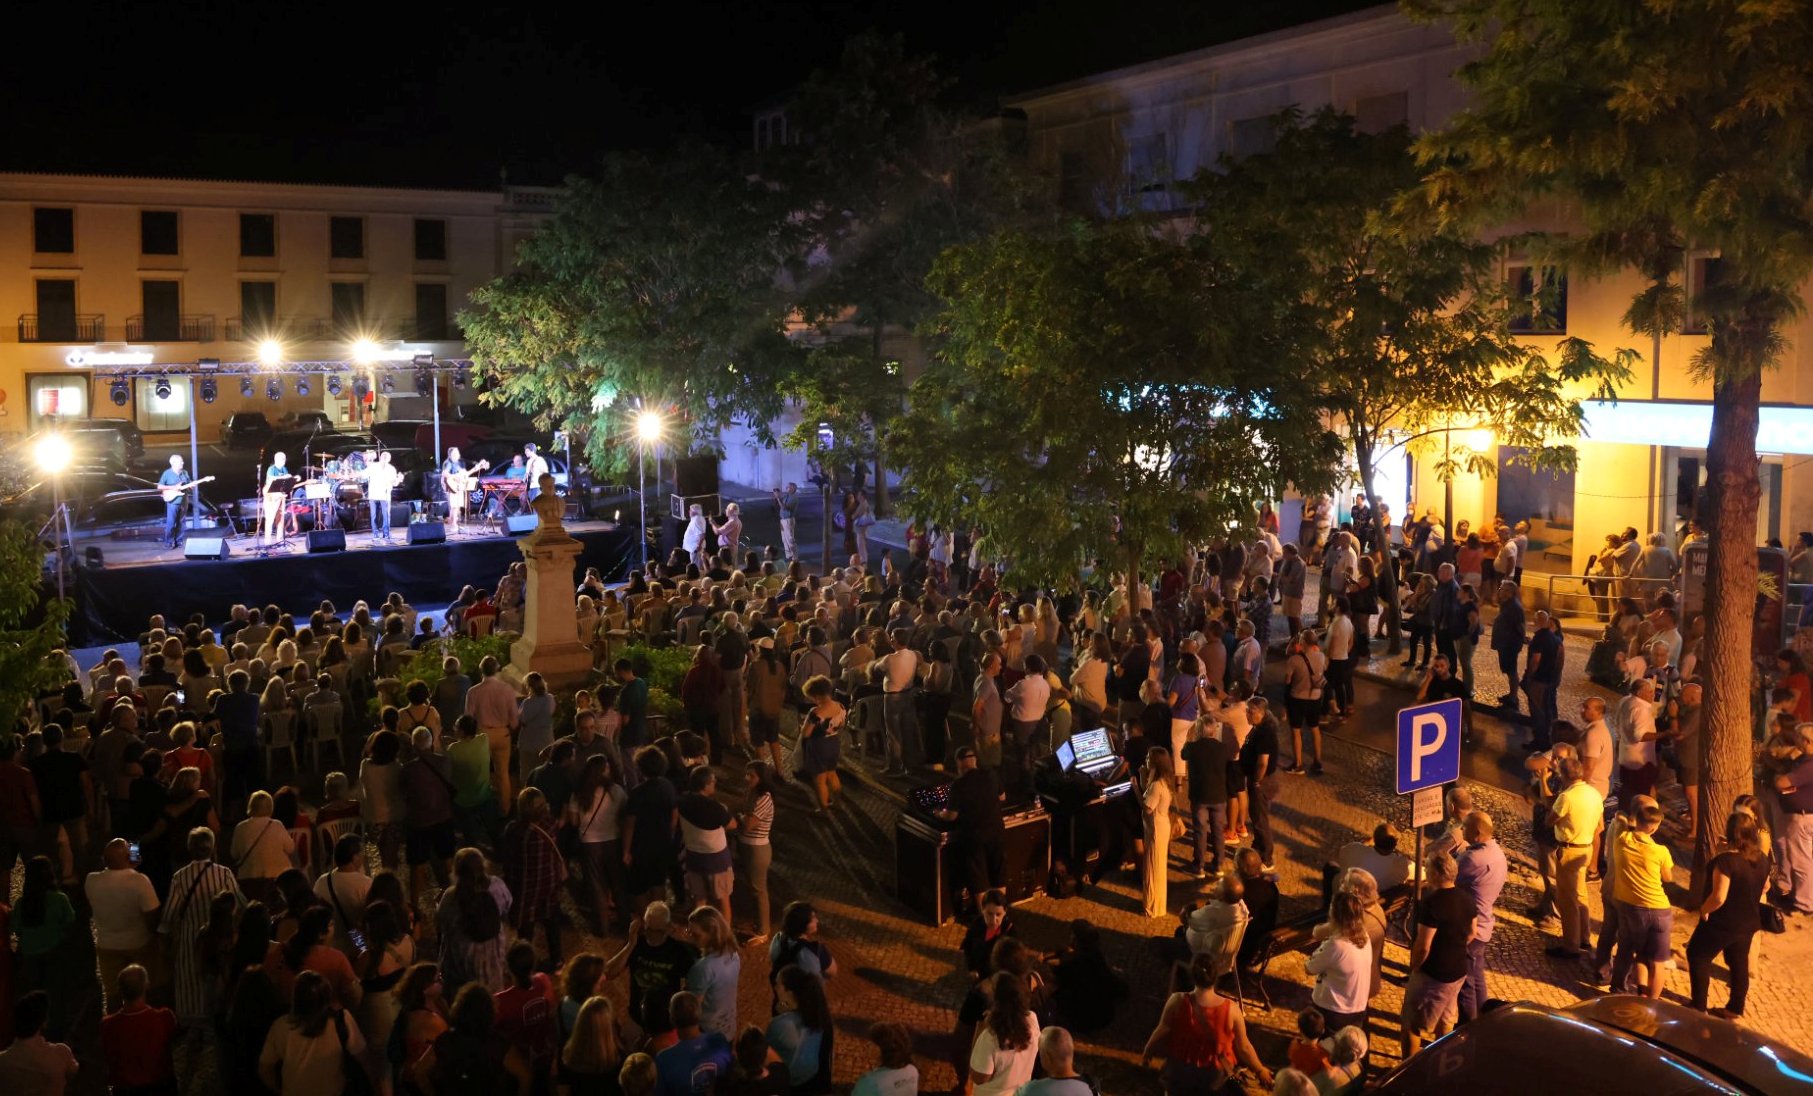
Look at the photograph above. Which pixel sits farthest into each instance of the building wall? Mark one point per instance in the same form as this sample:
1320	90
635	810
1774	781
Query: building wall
1117	139
482	232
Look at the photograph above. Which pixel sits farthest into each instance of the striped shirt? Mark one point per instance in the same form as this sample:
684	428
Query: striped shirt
192	891
757	823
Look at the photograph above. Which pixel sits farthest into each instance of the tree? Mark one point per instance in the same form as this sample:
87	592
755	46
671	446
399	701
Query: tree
1661	127
26	667
885	178
1096	394
658	282
1403	322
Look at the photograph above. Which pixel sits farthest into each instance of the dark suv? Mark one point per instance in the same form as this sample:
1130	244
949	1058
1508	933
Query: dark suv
245	429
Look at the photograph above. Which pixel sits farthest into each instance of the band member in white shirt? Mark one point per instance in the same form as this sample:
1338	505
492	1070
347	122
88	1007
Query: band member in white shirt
455	485
534	467
381	477
272	512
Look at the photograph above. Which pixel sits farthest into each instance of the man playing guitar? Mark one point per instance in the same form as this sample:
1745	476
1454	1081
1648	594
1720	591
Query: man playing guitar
457	481
174	487
277	484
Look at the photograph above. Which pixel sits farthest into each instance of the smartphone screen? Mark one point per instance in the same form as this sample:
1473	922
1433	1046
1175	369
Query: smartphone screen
357	937
132	851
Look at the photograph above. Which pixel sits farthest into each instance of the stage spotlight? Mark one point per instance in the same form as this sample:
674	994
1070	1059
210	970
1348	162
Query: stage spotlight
53	454
270	353
460	377
333	384
424	383
388	385
301	386
162	388
361	386
365	351
120	392
209	390
245	388
423	361
274	389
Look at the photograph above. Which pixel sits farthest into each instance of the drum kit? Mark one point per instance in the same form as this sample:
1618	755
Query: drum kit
321	498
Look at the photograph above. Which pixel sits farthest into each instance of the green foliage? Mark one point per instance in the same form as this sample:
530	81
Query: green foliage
1102	390
426	663
1403	317
26	669
662	667
658	283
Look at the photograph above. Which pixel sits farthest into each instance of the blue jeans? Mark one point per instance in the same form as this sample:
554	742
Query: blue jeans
173	519
1473	986
380	519
1211	820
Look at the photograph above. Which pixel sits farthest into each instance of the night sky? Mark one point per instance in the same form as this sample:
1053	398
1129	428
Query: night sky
450	94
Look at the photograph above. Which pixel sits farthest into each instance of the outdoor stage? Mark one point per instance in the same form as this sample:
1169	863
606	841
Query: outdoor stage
139	578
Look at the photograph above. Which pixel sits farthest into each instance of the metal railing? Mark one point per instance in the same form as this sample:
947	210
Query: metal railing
169	328
1597	595
258	328
91	328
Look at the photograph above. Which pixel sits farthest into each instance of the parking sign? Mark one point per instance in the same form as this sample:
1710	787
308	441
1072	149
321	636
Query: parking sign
1429	738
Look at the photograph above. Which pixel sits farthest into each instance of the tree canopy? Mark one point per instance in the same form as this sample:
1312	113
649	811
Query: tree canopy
26	668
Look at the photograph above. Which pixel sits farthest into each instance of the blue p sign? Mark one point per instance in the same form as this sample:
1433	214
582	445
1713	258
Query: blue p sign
1428	745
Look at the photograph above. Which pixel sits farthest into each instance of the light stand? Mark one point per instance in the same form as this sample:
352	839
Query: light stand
53	455
648	432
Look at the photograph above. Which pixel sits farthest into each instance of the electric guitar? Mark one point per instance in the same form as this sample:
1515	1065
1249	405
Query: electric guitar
462	483
171	494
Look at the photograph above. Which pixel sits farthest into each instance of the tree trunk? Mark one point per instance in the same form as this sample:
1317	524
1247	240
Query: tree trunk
1387	577
1734	489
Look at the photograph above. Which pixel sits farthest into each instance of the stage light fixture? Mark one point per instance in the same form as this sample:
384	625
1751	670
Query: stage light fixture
365	351
270	353
245	388
388	385
207	365
162	388
120	392
423	361
209	390
334	386
361	386
424	383
274	389
301	386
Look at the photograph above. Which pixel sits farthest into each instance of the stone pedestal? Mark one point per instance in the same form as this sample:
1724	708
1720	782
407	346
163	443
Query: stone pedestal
550	634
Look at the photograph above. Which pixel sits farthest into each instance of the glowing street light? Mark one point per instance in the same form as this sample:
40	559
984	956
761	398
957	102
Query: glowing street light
649	426
648	432
270	353
53	454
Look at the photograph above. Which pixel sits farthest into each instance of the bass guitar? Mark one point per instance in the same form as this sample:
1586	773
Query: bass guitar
171	494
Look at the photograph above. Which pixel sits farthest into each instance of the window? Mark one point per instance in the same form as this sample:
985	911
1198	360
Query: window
1148	164
1378	113
53	231
258	235
257	308
430	240
56	310
163	311
349	306
162	413
1252	136
157	232
1545	291
430	310
346	237
1704	272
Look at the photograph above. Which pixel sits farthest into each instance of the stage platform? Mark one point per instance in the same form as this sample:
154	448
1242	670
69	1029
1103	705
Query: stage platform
137	579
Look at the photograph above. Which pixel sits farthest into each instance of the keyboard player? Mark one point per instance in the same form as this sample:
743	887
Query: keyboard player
981	832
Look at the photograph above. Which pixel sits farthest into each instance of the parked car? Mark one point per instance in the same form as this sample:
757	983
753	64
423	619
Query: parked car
1607	1044
419	434
294	444
306	420
134	515
245	429
500	451
104	445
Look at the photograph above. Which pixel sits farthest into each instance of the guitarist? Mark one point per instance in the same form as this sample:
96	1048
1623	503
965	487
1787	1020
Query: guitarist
456	484
177	477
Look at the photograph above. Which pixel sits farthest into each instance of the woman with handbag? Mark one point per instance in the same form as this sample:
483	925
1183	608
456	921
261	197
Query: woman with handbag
593	816
1202	1036
314	1049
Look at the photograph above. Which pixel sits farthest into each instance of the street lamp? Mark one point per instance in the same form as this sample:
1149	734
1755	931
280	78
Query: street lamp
648	432
53	455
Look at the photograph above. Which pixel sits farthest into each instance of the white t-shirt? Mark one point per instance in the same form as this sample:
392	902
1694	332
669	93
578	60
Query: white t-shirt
120	899
1596	756
349	891
888	1082
311	1065
1389	870
1636	717
1346	974
1007	1069
1028	698
260	855
380	478
598	822
1340	638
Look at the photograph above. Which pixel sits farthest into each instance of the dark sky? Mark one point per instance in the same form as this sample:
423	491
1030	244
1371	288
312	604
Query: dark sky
449	94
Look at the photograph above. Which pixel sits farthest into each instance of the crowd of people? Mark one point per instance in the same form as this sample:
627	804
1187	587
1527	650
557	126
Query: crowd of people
398	923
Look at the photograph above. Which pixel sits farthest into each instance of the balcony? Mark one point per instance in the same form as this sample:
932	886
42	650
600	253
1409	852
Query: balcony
257	328
433	329
166	329
66	328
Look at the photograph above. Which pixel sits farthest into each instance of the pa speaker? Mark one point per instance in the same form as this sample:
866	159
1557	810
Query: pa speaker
427	532
197	547
696	476
326	540
518	524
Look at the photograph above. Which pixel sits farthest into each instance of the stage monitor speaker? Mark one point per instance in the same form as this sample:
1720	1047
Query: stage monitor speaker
518	524
427	532
205	547
326	540
696	476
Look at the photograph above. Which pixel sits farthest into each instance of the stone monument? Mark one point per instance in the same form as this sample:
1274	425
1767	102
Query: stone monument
550	632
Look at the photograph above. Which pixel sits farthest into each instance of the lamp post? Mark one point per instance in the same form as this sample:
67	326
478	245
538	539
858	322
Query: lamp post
648	432
53	455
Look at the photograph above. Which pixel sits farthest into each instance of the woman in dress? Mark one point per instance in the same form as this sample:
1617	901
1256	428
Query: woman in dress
307	1051
388	955
593	812
821	740
1158	783
1202	1036
470	921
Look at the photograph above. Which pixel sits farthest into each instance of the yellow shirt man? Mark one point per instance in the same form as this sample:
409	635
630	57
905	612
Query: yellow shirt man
1643	867
1577	812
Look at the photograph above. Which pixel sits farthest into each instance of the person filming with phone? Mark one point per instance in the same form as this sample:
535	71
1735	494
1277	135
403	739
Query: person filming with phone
126	913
